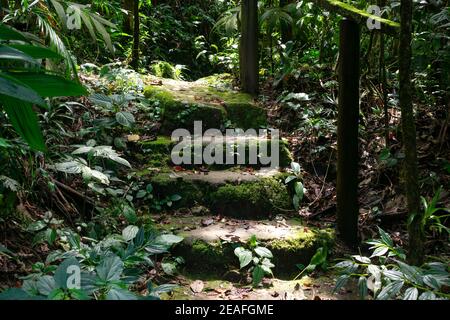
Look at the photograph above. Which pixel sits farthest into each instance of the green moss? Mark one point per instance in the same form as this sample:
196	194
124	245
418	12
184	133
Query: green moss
207	257
253	199
246	116
299	249
191	192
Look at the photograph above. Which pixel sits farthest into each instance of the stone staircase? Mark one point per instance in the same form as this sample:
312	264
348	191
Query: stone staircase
238	199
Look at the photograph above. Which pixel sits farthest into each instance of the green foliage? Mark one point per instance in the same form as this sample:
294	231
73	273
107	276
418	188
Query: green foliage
433	217
392	277
318	260
24	83
104	270
294	183
257	257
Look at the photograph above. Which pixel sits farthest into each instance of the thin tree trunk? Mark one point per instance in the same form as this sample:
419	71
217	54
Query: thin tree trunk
416	232
348	124
135	57
383	80
128	19
249	60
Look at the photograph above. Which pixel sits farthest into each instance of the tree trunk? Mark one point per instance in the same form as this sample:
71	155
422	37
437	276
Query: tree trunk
416	232
286	29
128	19
135	57
249	61
348	123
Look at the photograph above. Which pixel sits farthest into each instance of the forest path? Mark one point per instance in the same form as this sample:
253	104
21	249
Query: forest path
223	205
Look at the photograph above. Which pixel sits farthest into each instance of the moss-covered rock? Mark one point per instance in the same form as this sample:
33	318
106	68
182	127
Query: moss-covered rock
300	246
185	102
253	199
256	197
205	250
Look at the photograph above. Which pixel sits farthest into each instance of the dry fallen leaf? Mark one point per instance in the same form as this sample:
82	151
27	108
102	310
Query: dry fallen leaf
133	138
197	286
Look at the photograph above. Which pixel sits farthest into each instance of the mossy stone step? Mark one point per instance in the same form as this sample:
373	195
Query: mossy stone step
250	151
257	194
211	248
204	100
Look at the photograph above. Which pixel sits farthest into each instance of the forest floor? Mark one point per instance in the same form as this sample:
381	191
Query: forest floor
308	125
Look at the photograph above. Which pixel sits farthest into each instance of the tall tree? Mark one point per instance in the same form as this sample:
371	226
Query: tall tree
348	123
248	58
136	37
416	232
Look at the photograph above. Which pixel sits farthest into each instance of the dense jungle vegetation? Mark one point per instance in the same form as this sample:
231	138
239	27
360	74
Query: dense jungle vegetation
94	206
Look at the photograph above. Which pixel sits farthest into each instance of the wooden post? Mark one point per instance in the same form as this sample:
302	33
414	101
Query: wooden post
249	61
348	123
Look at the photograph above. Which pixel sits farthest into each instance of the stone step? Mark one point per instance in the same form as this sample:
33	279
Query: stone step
257	194
218	152
209	241
208	100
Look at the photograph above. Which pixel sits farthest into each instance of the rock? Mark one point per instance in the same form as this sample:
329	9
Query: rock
233	276
185	102
200	211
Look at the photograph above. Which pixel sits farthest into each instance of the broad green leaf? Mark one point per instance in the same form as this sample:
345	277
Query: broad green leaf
126	119
8	53
129	214
245	256
169	268
8	33
427	295
385	237
257	275
24	121
101	100
13	88
130	232
110	269
380	251
168	239
46	284
263	252
411	294
393	274
390	291
37	52
48	85
116	293
431	281
362	259
362	287
14	293
36	226
341	282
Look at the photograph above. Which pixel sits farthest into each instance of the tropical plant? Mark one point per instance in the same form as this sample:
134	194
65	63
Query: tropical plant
259	259
105	270
392	277
24	83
